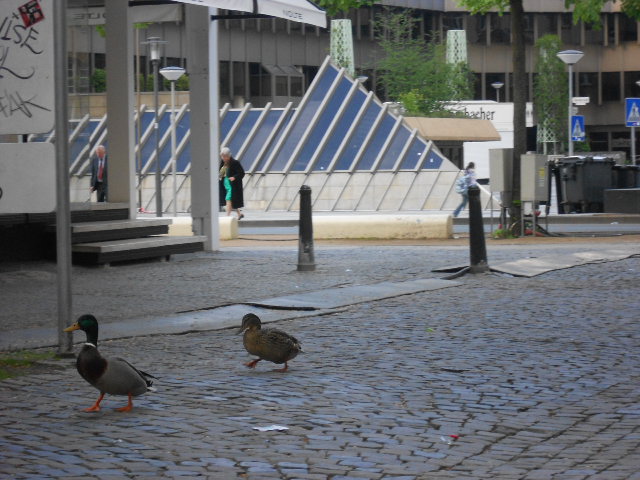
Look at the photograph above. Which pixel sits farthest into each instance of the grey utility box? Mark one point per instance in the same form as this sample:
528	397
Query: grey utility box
534	178
500	161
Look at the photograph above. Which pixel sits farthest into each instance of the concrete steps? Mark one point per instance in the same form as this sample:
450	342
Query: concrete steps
105	252
83	232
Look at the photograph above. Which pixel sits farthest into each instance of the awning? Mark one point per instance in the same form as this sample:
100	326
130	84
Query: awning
454	129
295	10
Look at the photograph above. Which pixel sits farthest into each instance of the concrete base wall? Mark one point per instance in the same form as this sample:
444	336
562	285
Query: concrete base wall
383	226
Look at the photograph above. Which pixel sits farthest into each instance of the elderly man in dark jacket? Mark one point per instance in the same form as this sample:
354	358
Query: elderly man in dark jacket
99	176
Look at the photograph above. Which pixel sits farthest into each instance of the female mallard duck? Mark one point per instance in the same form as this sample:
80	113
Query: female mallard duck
267	343
114	376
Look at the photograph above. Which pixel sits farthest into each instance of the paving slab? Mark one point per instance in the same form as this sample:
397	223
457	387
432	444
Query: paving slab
286	307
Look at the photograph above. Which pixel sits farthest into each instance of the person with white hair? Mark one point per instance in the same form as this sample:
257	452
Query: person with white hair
230	176
99	177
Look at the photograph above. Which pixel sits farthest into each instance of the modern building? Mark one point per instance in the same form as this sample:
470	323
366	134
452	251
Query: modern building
274	60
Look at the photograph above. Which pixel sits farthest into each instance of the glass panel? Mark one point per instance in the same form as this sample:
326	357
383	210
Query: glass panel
296	85
587	86
528	28
433	161
452	21
224	81
341	129
239	79
610	86
320	130
281	86
628	29
283	127
227	122
500	28
610	20
304	118
361	131
376	143
570	32
243	131
182	128
82	139
631	89
477	29
414	155
547	24
253	149
593	34
395	149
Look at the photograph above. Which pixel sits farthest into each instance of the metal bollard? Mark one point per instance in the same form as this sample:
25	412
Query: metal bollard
477	247
306	261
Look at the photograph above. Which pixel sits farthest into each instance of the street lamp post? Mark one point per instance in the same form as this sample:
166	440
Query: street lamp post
154	56
633	139
570	57
497	86
173	74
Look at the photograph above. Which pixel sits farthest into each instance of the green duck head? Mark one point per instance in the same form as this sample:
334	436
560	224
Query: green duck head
89	325
250	322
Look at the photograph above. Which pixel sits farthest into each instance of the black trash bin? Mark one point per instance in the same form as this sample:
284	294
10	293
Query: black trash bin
625	176
584	180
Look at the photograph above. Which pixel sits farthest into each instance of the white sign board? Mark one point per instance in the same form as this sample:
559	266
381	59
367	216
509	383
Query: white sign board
26	66
27	178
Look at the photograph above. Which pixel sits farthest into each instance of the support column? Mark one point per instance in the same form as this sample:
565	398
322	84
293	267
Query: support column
120	105
202	66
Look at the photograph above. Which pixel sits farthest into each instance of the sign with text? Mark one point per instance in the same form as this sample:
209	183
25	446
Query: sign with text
26	66
632	112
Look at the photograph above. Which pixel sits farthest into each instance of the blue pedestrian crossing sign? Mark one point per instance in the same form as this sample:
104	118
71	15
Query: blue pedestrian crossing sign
577	128
632	112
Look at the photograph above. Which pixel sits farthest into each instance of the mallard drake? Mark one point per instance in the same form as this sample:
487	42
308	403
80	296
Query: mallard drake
114	376
267	343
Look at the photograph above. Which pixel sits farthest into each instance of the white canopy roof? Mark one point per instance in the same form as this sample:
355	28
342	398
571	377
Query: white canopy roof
295	10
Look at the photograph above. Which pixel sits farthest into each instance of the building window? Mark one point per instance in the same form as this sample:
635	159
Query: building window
610	22
599	141
630	87
281	86
239	81
528	28
492	93
628	29
593	34
224	80
477	29
547	24
587	86
570	33
477	86
500	28
452	21
611	87
296	86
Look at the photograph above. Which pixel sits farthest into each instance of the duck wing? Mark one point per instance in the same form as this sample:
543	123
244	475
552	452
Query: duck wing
278	346
122	378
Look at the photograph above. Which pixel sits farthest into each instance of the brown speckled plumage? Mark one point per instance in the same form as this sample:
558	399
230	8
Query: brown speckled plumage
268	343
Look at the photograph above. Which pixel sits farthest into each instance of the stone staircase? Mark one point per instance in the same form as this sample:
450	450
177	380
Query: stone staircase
103	234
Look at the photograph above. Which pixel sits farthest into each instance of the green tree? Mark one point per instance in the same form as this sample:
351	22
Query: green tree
335	7
417	74
585	10
550	92
99	80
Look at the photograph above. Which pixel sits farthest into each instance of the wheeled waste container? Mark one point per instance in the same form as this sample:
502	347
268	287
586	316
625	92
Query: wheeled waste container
584	180
626	176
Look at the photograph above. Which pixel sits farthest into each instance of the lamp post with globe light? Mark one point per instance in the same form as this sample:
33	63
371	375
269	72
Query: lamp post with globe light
570	57
173	74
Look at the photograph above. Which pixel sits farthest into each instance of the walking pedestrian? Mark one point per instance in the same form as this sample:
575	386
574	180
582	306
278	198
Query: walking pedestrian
462	186
231	175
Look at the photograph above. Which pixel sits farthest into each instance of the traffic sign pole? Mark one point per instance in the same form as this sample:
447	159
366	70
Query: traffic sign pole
632	119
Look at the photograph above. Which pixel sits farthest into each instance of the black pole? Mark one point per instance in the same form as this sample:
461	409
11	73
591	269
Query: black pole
477	247
306	261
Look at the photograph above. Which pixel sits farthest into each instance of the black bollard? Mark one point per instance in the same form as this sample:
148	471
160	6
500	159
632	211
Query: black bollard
477	247
306	261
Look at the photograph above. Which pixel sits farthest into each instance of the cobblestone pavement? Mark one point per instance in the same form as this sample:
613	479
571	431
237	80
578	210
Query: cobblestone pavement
538	377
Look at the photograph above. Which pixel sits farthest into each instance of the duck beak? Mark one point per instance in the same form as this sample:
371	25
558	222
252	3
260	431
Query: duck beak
71	328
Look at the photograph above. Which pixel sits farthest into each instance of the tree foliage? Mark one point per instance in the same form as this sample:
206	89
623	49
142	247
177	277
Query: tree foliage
335	7
550	90
417	74
589	10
